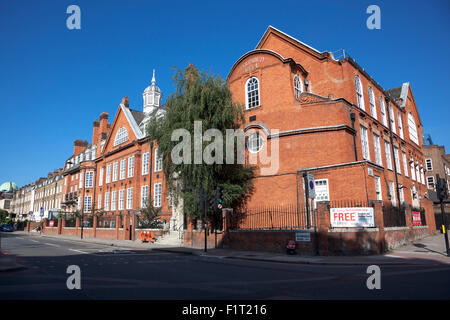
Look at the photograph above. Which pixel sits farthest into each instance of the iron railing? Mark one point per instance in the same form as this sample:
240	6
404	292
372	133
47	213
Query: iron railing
282	217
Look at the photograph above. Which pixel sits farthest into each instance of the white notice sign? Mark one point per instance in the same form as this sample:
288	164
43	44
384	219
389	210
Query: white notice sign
302	236
352	217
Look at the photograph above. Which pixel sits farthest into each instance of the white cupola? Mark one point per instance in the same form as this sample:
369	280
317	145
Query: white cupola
152	97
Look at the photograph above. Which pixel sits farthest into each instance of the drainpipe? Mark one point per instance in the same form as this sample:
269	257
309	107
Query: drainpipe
352	118
392	151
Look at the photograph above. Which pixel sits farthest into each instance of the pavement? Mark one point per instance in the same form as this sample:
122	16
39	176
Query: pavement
429	250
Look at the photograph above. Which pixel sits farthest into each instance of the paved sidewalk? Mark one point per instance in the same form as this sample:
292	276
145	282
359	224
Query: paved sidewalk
430	250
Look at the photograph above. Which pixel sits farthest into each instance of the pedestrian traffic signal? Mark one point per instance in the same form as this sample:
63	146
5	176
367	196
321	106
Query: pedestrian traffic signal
441	188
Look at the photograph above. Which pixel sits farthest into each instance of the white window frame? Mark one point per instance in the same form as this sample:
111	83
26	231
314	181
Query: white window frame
121	205
158	161
87	204
99	201
378	190
327	195
108	173
298	86
387	150
392	116
107	199
397	160
377	148
115	171
255	142
428	182
123	167
392	193
130	167
359	93
383	111
364	143
113	200
129	198
157	194
413	171
422	176
405	164
121	136
373	107
412	128
144	196
429	165
89	181
145	163
248	104
100	179
400	125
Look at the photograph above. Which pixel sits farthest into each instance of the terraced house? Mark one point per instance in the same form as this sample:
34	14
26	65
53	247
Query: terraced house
120	172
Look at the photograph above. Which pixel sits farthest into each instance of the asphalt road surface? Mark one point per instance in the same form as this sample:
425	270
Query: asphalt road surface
118	273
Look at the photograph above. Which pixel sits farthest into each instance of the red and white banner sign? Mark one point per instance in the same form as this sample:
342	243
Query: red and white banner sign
51	223
417	221
352	217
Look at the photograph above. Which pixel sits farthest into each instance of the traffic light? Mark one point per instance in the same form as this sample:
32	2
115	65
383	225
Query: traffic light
201	200
219	197
441	188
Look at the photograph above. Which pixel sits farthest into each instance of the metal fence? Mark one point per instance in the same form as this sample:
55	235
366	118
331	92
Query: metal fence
70	221
393	216
283	217
106	221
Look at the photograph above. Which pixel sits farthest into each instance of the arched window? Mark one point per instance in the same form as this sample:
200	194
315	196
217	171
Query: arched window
255	142
412	129
359	92
298	87
252	92
373	108
121	136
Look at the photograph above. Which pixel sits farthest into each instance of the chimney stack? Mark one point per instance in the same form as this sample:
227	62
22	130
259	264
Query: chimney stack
95	132
79	146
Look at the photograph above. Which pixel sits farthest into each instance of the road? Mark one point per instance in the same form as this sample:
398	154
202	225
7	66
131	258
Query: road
119	273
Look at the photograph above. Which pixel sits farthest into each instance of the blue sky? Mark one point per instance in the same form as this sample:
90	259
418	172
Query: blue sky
55	82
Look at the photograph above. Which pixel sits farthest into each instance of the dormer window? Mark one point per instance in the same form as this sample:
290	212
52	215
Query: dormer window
252	92
359	92
121	136
298	87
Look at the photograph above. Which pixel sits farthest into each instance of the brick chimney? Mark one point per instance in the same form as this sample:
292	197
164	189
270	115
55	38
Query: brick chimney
103	123
79	146
95	132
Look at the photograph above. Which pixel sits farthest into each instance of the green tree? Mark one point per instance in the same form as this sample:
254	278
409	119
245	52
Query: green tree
3	215
148	217
207	98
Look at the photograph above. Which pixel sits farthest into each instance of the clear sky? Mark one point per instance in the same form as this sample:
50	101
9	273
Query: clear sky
55	82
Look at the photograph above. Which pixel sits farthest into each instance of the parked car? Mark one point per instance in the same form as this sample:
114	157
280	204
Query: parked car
6	228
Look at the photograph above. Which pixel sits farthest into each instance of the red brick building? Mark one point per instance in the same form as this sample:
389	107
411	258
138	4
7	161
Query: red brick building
120	171
330	118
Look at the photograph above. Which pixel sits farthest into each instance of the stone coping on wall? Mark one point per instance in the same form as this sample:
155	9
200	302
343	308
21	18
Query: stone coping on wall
263	230
353	230
395	228
420	227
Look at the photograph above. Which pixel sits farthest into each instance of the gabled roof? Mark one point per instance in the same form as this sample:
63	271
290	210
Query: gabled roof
271	29
138	116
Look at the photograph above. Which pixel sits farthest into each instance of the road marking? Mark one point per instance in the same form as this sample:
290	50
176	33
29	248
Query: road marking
34	240
51	244
79	251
